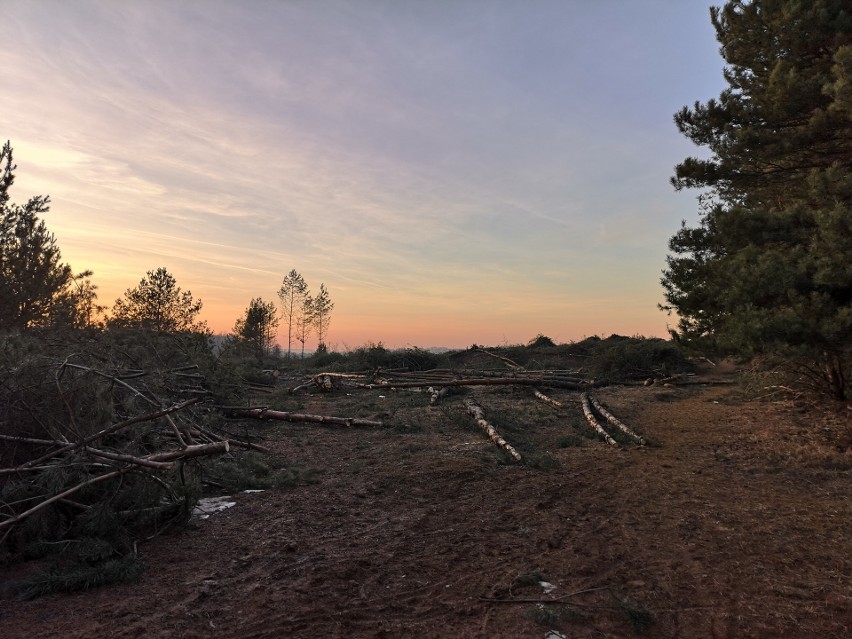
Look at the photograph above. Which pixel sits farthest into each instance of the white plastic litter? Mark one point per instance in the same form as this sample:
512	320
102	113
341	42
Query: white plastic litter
548	587
206	506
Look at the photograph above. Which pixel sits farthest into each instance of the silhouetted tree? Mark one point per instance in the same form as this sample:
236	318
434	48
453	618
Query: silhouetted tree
258	327
322	307
292	293
305	321
158	304
33	280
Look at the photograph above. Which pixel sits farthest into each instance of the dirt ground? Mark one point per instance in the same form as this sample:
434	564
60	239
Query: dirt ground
735	521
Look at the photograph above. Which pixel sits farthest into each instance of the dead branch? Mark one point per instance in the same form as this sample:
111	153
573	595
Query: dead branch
131	459
106	431
32	440
135	462
478	413
117	380
262	413
63	495
590	417
511	364
199	450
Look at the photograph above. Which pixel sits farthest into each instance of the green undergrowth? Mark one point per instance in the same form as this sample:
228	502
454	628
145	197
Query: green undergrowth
250	470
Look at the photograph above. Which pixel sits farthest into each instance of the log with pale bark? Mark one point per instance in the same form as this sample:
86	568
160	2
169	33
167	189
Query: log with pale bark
496	381
478	413
593	422
263	413
612	419
437	394
546	399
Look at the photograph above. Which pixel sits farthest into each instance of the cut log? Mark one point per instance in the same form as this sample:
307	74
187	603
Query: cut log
546	399
437	394
478	413
590	417
612	419
199	450
499	381
262	413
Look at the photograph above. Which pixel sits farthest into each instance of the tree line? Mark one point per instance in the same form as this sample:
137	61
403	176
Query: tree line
302	313
39	291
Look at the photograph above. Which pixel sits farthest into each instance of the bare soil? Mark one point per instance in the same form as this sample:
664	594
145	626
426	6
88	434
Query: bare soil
735	521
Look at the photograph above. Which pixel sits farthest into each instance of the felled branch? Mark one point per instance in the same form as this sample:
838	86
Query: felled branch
64	448
149	461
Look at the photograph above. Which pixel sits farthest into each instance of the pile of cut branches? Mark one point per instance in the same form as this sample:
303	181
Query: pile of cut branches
97	452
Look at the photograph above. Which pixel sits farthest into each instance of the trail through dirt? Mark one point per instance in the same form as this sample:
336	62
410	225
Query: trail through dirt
733	522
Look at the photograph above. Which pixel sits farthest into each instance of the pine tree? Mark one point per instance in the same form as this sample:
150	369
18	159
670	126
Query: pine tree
258	327
292	294
769	268
158	304
33	280
322	308
305	321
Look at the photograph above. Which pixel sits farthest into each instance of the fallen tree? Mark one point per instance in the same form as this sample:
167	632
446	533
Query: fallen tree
478	413
265	413
593	422
612	419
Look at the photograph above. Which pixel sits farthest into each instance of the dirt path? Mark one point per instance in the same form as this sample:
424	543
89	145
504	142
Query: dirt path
735	522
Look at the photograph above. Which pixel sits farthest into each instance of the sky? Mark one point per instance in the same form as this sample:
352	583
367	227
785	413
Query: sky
453	171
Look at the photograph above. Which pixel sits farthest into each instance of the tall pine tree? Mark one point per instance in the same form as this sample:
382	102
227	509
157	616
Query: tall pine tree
33	281
257	328
158	304
769	267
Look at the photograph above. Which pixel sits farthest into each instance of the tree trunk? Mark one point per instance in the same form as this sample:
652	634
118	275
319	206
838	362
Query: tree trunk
478	413
590	417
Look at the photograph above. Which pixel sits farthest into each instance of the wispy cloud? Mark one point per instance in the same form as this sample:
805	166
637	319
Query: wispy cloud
431	163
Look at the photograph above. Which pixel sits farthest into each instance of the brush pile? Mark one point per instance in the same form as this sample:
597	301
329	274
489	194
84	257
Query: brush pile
99	448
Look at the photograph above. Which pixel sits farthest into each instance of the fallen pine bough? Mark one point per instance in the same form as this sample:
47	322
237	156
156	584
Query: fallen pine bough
157	461
478	413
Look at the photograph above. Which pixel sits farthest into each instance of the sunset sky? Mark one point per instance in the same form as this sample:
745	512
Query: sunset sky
454	171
